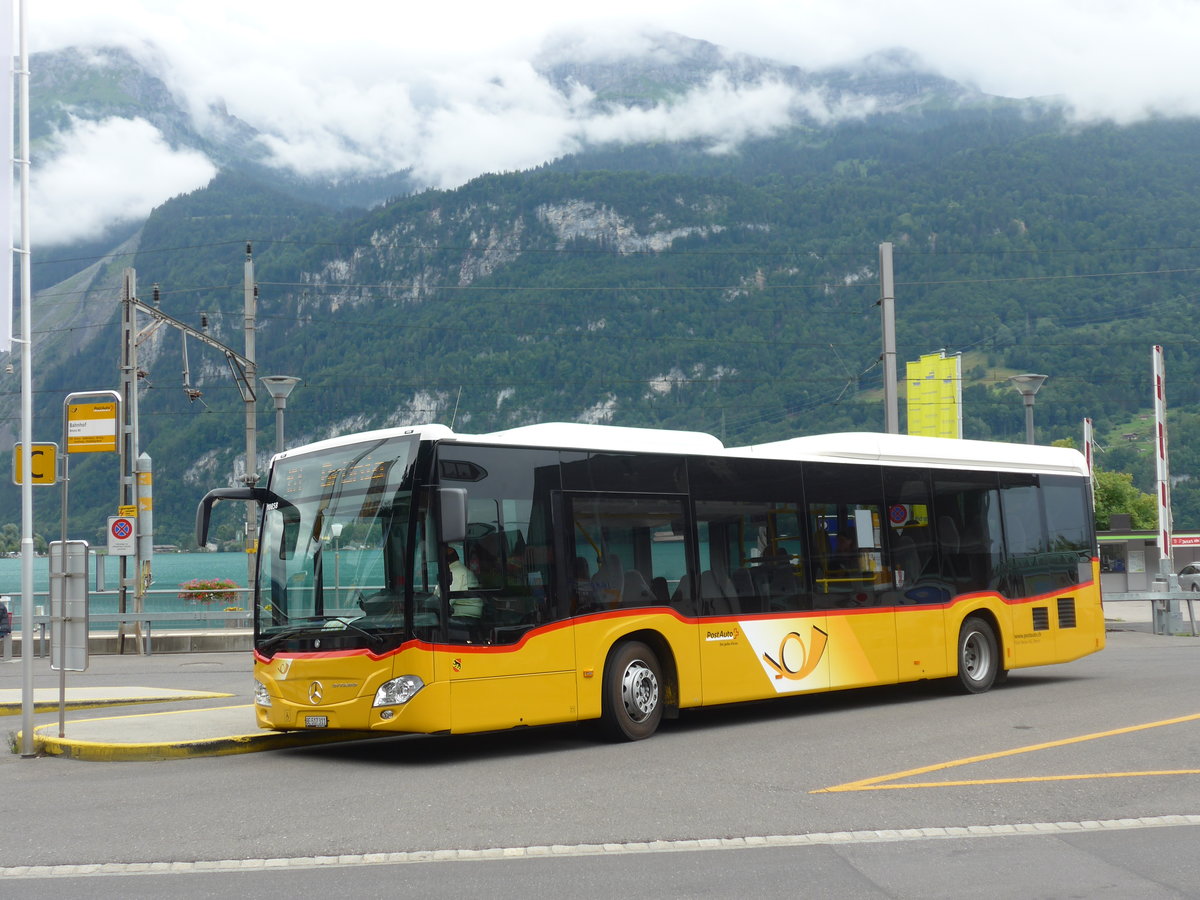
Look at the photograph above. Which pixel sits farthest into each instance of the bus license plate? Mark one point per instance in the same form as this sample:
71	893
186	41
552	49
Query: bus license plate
316	721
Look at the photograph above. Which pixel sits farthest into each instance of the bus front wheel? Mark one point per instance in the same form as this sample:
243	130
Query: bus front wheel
978	655
633	693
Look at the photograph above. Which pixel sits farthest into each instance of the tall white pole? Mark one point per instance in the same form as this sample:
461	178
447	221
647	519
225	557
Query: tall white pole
1089	440
250	302
1162	468
887	303
26	403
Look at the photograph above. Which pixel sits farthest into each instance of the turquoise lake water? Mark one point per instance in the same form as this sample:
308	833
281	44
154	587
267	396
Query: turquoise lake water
168	571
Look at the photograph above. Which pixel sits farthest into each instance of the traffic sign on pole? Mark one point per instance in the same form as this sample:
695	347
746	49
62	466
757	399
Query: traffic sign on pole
122	536
43	467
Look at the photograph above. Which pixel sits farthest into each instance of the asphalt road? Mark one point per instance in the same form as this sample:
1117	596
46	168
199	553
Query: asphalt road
1075	780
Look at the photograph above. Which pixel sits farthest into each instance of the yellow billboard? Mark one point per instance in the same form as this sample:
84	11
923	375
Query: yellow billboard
935	395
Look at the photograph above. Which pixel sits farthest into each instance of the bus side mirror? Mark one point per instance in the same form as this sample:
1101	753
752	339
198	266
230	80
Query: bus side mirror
204	510
453	513
262	496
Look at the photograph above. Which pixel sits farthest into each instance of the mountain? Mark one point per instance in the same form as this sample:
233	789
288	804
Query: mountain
688	283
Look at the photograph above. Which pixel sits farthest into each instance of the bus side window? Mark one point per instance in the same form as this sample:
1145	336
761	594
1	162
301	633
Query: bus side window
967	516
628	551
751	557
912	560
508	544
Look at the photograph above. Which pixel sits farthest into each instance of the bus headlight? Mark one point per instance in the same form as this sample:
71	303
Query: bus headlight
398	690
261	697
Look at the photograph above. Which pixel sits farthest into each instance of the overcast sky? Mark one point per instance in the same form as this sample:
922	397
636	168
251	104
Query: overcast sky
447	88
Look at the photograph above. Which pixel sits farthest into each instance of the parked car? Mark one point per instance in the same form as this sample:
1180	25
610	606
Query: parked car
1189	577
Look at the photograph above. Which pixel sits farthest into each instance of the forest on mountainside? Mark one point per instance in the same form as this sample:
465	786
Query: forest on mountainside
670	286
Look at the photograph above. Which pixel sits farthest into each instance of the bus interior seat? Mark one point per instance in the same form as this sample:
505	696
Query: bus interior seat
581	569
683	591
743	583
746	590
661	590
634	589
608	581
782	587
975	553
947	535
717	593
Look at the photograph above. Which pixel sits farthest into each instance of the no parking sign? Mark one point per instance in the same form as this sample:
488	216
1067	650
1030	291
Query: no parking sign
122	536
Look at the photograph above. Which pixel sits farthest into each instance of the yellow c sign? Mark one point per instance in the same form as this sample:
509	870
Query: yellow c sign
43	468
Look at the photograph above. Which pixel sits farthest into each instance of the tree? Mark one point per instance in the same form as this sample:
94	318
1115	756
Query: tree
1115	493
10	540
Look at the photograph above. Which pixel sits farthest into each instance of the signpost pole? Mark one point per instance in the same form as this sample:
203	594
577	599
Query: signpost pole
89	426
62	609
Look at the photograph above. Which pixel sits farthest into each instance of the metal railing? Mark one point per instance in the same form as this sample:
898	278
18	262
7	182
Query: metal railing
1160	606
200	619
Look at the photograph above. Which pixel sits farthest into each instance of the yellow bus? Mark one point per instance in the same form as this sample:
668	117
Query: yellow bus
419	580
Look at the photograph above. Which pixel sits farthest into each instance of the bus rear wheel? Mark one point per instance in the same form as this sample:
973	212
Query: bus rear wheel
633	693
978	655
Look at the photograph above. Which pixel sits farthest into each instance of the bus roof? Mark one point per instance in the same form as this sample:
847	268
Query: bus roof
850	447
911	450
575	435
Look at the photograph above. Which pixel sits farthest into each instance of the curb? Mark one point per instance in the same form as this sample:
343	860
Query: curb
47	742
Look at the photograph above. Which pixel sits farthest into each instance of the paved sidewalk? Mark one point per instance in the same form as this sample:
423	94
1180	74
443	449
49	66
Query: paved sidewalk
47	699
218	731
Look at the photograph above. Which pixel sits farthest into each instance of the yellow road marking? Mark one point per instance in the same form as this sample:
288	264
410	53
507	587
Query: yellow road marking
881	782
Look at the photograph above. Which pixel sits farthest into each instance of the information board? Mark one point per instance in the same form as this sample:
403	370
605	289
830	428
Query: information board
92	427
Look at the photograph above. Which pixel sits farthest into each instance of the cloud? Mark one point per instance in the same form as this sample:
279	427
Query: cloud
719	111
449	91
1114	56
105	173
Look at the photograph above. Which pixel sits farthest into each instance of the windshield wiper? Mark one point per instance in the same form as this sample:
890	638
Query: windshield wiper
369	635
316	625
280	636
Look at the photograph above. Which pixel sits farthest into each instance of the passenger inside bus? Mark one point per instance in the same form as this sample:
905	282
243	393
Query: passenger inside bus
462	579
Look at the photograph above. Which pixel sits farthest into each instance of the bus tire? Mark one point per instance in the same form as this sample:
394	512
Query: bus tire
978	655
633	693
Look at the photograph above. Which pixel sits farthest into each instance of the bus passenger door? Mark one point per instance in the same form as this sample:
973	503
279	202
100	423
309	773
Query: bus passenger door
509	658
627	571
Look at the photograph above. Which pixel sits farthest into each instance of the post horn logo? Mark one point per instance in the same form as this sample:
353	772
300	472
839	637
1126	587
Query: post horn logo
810	656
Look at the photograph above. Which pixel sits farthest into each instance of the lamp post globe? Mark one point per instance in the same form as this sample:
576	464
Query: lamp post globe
279	387
1027	385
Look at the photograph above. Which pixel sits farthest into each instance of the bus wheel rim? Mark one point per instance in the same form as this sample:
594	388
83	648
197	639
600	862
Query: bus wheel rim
976	656
639	690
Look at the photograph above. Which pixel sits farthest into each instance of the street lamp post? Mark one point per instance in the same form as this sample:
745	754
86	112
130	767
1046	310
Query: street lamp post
279	387
1027	386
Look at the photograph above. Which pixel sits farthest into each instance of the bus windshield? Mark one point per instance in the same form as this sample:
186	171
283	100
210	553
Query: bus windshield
332	563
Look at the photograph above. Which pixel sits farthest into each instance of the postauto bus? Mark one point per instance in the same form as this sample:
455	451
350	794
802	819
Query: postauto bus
419	580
